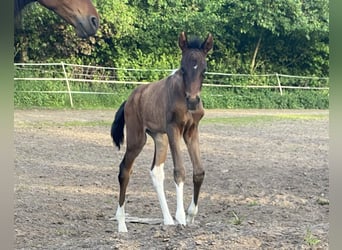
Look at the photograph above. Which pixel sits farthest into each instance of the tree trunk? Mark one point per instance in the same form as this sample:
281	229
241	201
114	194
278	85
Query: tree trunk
256	50
22	50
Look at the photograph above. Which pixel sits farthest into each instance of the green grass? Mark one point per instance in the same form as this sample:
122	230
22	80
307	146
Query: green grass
86	123
237	220
310	239
244	120
212	97
252	203
65	124
233	121
302	116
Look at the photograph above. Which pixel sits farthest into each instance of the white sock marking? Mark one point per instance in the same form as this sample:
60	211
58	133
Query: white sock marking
180	213
192	211
120	217
157	175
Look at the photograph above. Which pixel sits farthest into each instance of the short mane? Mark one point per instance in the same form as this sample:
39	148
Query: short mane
195	43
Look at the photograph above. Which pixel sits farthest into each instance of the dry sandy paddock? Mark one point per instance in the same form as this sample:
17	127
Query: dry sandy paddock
266	183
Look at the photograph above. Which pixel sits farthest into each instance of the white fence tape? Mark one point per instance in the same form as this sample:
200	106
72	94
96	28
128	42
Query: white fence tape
70	73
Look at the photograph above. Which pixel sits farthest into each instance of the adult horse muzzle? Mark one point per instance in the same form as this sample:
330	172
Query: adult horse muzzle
86	26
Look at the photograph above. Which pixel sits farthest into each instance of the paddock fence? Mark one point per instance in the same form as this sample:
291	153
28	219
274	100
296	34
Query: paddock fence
72	79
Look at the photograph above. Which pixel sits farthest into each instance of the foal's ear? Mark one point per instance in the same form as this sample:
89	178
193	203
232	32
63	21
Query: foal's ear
207	44
183	41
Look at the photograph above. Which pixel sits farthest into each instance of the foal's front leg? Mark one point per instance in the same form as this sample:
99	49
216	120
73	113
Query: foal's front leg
174	136
191	139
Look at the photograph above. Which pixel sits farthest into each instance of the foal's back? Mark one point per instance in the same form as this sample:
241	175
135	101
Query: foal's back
156	104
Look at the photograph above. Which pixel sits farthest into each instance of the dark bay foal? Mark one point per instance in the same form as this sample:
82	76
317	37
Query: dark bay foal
166	110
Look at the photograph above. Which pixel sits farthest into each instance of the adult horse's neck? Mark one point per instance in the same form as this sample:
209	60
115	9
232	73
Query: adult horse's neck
20	4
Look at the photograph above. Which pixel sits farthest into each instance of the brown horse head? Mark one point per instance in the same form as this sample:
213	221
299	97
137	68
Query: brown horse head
193	67
79	13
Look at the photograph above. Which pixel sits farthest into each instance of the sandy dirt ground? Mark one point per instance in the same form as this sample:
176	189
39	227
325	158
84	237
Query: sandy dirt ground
266	183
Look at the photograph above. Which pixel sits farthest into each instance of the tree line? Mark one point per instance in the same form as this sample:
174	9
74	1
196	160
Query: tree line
257	36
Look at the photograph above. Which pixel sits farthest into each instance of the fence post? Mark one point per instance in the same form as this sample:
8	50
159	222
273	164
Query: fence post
68	85
278	80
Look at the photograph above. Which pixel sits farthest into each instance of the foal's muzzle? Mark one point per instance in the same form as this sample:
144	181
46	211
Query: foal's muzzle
192	102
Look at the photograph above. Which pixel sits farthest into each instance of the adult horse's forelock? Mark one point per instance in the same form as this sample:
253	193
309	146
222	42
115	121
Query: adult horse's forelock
193	67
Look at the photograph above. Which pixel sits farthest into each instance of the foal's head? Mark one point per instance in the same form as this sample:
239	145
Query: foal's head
193	67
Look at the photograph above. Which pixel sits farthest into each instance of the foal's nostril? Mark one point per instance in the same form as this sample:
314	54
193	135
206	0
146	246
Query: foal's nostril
193	99
192	102
94	21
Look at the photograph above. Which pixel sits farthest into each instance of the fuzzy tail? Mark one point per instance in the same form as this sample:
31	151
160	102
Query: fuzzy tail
117	131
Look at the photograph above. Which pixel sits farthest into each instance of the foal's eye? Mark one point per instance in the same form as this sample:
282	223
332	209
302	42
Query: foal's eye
183	71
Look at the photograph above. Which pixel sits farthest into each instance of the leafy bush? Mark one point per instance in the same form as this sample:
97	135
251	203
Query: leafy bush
289	37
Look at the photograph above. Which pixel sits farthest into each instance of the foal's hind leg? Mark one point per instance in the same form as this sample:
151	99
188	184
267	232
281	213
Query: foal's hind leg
135	143
157	174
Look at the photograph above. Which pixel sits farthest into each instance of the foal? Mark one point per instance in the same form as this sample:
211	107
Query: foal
166	110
